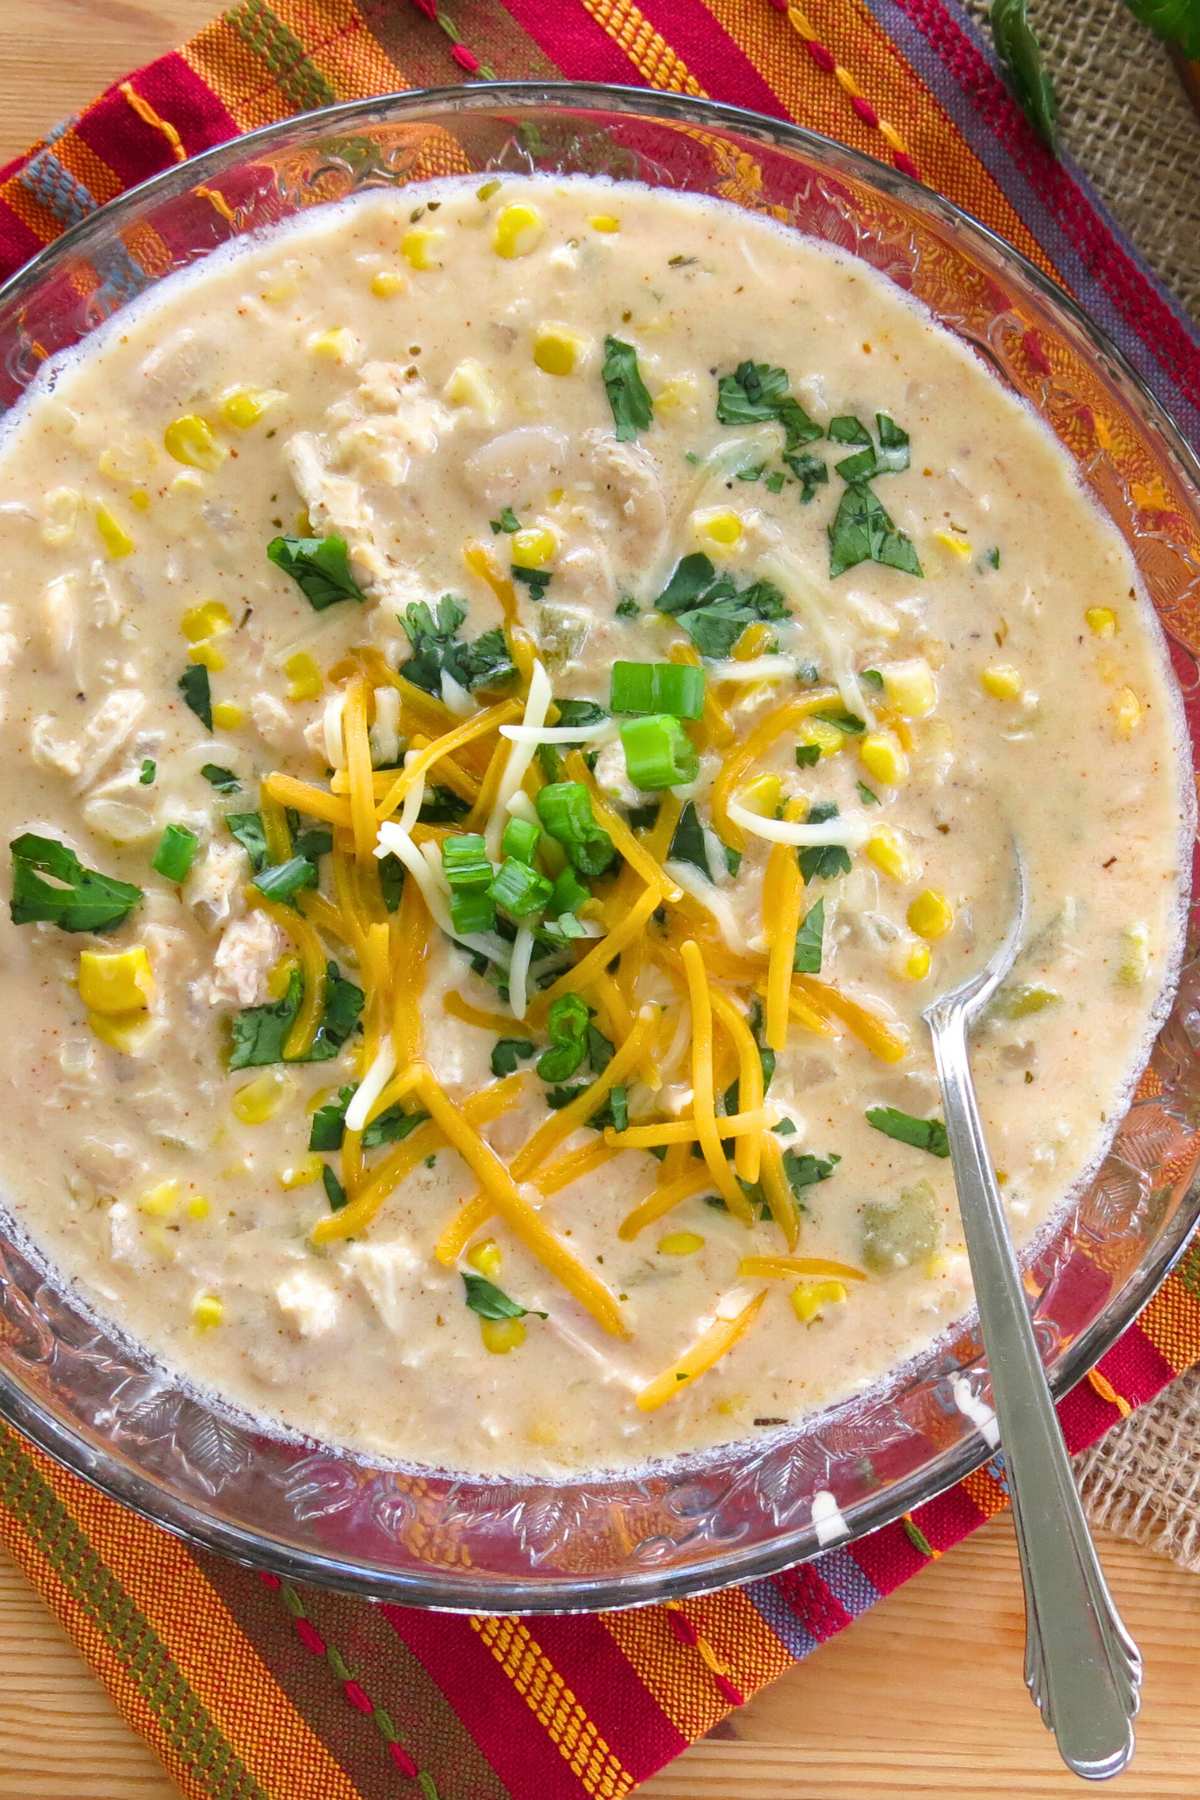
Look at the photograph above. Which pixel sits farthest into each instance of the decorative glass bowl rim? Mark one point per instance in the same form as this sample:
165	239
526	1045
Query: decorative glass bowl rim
450	1590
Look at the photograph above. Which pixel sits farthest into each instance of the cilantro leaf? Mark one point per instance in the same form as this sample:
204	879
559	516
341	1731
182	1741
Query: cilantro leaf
823	862
335	1193
193	684
711	608
809	471
508	521
865	794
862	531
224	780
628	396
320	567
846	429
328	1126
50	883
627	607
810	939
247	828
807	756
581	712
437	647
507	1051
756	391
1175	21
490	1302
688	844
1020	57
922	1134
805	1170
258	1033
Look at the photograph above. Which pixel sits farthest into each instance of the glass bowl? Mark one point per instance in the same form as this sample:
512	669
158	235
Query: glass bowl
106	1409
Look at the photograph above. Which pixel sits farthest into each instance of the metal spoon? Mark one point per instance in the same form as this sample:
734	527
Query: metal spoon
1082	1668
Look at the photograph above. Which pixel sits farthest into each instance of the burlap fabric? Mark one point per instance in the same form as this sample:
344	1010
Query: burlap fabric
1127	121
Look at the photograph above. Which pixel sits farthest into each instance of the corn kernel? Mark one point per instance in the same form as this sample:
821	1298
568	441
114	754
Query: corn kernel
680	1243
113	535
485	1257
140	498
228	715
110	463
762	795
126	1032
533	546
259	1100
338	344
116	981
1101	621
1134	965
207	1312
190	440
279	979
198	1207
887	851
828	739
604	222
930	915
244	406
502	1335
207	653
281	289
304	677
910	687
302	1173
205	621
468	385
936	1265
189	484
519	230
1002	681
882	757
556	350
1127	711
420	245
722	527
160	1202
387	283
61	511
810	1298
679	392
957	546
912	961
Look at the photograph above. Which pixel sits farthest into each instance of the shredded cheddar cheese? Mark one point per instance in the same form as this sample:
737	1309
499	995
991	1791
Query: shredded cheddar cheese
702	1083
708	1350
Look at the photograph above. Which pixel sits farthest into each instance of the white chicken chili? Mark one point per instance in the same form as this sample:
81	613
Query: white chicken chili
515	697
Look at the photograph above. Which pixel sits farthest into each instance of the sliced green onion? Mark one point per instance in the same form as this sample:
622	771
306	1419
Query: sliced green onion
149	771
176	852
569	894
565	809
472	909
641	687
520	890
284	879
520	840
465	862
658	752
566	1024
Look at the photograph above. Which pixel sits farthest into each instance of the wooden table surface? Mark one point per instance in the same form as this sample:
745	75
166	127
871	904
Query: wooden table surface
922	1697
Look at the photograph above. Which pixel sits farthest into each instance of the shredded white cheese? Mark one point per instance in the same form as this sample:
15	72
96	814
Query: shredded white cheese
599	733
713	901
788	574
456	697
518	971
758	668
850	831
414	800
331	726
371	1085
394	839
385	732
537	704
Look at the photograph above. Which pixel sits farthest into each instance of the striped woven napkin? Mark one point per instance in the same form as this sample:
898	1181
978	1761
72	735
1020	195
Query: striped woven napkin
254	1689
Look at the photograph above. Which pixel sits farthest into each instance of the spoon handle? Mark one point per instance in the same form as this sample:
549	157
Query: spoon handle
1082	1668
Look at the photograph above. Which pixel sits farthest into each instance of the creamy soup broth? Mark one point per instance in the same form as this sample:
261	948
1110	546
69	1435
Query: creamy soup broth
599	387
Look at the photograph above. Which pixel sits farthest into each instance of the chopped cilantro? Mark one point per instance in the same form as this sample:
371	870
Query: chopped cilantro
823	862
774	482
862	531
335	1193
865	794
809	471
259	1032
149	771
506	1052
329	1124
320	567
490	1302
224	780
846	429
281	880
810	939
711	608
873	679
437	648
74	898
193	684
807	756
536	580
756	391
922	1134
688	844
628	396
508	521
247	828
391	880
627	607
992	558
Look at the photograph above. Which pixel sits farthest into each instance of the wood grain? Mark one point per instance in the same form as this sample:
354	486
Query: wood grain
922	1697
